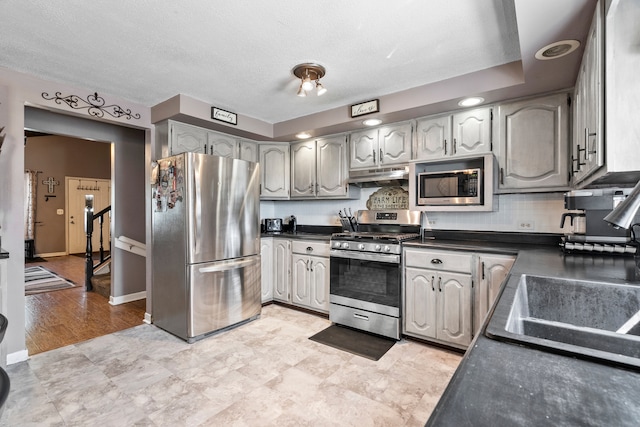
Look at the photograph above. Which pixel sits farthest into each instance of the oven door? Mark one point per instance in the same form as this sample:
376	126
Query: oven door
366	281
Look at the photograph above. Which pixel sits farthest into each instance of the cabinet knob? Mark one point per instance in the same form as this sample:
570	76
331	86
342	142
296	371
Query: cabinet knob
309	249
436	261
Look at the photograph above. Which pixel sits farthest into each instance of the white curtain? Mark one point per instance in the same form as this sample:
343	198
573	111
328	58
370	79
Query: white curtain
30	184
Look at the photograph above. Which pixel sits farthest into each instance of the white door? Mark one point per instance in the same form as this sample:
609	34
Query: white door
77	189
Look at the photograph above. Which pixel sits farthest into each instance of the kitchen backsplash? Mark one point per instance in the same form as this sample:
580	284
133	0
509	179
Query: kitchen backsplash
533	212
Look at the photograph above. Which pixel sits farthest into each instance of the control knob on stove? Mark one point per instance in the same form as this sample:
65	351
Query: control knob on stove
378	248
345	245
336	244
361	246
387	248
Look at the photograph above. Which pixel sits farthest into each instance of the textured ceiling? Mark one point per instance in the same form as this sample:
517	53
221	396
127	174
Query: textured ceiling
238	55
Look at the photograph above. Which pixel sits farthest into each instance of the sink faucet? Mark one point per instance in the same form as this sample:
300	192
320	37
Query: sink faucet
622	217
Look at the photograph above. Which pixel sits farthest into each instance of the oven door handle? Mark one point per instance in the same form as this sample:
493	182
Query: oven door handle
391	259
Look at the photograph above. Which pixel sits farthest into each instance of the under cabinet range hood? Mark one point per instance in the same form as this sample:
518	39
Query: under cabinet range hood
380	177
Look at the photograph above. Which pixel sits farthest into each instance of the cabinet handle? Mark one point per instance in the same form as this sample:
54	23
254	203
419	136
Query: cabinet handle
205	148
436	261
381	155
454	146
502	176
360	316
482	267
311	188
439	284
587	134
306	263
580	164
433	279
310	265
445	147
317	187
374	156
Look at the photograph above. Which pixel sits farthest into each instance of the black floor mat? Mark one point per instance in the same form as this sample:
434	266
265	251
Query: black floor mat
357	342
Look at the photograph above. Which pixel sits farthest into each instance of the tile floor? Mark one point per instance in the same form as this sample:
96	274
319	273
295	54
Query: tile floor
266	372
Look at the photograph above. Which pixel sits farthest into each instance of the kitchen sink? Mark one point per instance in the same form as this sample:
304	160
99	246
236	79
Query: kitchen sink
596	320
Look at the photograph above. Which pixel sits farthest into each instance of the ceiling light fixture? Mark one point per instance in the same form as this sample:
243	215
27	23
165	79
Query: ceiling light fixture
303	135
372	122
308	73
557	49
470	102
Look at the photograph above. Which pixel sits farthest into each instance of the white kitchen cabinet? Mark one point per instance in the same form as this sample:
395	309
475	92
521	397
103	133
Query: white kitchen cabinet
492	269
266	258
587	153
381	147
186	138
460	134
319	169
438	296
220	144
310	275
438	305
533	144
248	150
274	171
282	270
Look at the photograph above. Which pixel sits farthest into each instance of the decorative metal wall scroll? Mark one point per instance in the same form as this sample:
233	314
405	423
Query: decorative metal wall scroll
94	104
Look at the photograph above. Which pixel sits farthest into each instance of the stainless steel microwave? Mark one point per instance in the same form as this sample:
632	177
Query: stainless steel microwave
450	188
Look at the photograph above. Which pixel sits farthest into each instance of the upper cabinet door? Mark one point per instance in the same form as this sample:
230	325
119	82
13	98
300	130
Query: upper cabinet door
274	168
185	138
248	150
395	144
433	138
221	145
364	147
472	132
303	169
533	136
331	167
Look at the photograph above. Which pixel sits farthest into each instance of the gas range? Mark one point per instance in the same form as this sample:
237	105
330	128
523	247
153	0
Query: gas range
365	290
376	242
379	232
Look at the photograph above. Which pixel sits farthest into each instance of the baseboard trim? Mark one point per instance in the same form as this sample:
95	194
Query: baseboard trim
51	254
18	356
147	318
127	298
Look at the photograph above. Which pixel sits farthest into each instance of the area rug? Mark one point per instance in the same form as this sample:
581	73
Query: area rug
39	279
353	341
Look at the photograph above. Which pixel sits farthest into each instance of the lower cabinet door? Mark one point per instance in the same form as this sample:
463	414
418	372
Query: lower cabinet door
301	286
319	277
420	303
454	308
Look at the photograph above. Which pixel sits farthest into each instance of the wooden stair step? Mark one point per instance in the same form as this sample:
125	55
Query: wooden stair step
102	284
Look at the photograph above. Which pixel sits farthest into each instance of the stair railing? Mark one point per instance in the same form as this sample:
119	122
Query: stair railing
90	268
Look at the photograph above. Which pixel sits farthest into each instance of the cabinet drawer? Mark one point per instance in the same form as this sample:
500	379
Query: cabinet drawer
310	248
438	260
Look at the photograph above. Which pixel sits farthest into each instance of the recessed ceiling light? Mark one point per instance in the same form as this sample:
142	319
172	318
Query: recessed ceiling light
557	49
372	122
303	135
470	102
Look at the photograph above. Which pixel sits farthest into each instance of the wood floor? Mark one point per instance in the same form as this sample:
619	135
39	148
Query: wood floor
59	318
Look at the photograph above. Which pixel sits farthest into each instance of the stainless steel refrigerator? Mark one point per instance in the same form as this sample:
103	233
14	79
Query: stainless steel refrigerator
205	244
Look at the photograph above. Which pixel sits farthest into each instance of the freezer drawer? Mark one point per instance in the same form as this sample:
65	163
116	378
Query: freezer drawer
222	293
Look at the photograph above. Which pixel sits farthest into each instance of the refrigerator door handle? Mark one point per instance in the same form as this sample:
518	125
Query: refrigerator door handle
229	265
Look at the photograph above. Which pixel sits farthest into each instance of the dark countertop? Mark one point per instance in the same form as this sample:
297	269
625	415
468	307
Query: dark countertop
307	232
507	384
